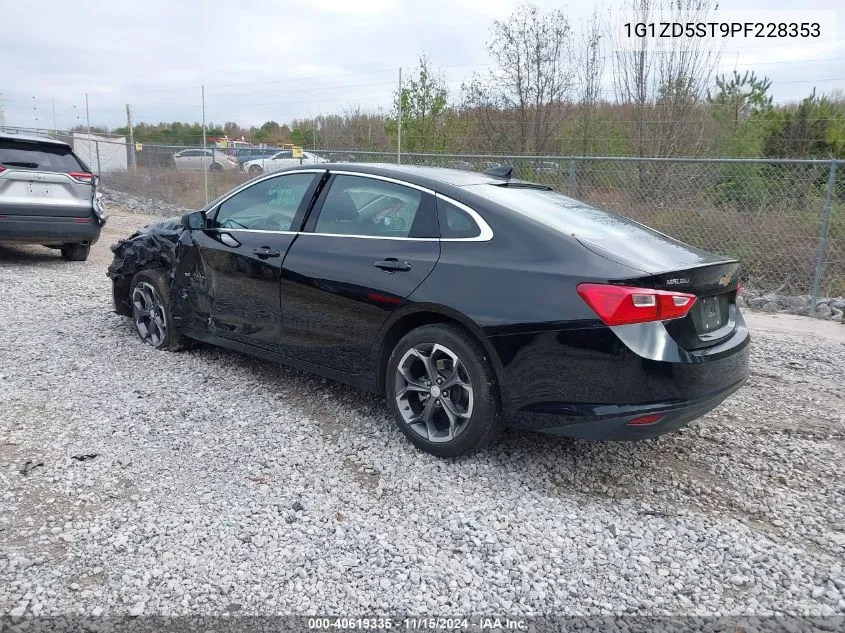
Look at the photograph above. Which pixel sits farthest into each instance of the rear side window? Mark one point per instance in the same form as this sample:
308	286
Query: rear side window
40	156
357	205
454	221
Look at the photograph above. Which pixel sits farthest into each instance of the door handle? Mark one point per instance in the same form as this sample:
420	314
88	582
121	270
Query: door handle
266	251
391	265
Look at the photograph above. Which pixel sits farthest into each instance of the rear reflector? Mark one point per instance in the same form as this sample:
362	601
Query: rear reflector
645	420
81	176
81	220
623	305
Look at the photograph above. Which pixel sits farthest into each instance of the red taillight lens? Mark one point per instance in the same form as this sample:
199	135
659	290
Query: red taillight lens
2	168
81	176
623	305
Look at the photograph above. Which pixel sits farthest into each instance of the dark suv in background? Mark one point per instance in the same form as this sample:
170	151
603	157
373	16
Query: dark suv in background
48	195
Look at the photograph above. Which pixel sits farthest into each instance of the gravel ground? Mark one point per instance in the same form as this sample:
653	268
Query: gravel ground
136	481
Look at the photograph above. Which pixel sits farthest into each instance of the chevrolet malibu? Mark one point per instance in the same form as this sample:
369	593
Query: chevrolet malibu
473	301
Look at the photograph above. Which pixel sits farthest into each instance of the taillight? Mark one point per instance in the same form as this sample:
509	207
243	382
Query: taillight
623	305
2	169
82	176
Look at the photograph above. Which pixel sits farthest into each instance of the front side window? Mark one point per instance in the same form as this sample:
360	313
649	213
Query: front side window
357	205
269	205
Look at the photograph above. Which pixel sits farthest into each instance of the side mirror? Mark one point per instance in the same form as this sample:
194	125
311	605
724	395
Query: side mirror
194	220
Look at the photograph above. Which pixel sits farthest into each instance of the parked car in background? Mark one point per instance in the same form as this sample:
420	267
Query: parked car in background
200	159
281	160
244	154
48	195
471	300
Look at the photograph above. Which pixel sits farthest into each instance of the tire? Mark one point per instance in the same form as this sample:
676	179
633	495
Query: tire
255	170
148	299
75	252
466	417
215	167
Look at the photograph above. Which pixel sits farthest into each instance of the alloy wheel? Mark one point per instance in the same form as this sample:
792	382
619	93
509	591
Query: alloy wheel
434	392
148	311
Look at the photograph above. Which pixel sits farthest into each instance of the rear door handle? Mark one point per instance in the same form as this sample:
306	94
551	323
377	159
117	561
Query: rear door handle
391	265
266	251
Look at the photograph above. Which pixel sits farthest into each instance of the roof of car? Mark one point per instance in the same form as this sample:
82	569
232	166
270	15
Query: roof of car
30	137
417	174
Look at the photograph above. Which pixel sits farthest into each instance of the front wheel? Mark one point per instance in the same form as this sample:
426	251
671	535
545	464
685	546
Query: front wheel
148	296
255	170
215	168
441	390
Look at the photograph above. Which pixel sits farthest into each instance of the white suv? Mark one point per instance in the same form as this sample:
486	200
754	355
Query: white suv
48	195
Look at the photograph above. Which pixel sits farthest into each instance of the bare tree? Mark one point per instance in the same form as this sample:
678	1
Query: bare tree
664	80
588	64
531	80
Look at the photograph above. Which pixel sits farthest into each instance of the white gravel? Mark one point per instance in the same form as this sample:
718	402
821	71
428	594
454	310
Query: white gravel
223	483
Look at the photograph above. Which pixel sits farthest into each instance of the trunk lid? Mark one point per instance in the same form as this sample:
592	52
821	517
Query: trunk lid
37	193
675	266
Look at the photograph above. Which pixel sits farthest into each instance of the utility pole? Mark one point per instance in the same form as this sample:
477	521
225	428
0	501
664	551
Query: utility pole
55	127
204	168
88	122
131	153
399	128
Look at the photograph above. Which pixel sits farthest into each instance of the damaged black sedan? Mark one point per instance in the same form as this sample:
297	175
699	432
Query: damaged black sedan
471	300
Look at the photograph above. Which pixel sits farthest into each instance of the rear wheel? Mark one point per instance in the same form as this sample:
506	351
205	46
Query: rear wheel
76	252
148	296
441	390
255	170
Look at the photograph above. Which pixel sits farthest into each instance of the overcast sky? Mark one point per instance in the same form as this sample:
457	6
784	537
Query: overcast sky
282	59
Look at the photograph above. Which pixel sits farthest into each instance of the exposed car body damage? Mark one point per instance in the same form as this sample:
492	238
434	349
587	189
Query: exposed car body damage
157	245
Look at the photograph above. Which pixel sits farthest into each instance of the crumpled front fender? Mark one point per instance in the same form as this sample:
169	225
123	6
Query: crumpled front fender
157	245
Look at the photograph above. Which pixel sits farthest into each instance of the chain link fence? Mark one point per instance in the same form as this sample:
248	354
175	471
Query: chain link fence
783	219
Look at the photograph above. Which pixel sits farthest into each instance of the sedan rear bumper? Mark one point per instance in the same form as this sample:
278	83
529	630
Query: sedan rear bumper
49	230
622	424
588	383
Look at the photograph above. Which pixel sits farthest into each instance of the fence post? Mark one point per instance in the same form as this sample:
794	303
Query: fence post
150	178
571	188
828	204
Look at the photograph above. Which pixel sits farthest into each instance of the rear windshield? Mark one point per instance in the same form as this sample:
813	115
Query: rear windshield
40	156
564	214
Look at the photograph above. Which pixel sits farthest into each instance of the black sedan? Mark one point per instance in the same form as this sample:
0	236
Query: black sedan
471	300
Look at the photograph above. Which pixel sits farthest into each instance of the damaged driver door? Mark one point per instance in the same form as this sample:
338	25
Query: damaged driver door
231	280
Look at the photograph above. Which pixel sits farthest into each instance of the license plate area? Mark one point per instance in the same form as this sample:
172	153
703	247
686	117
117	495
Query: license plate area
38	189
711	314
